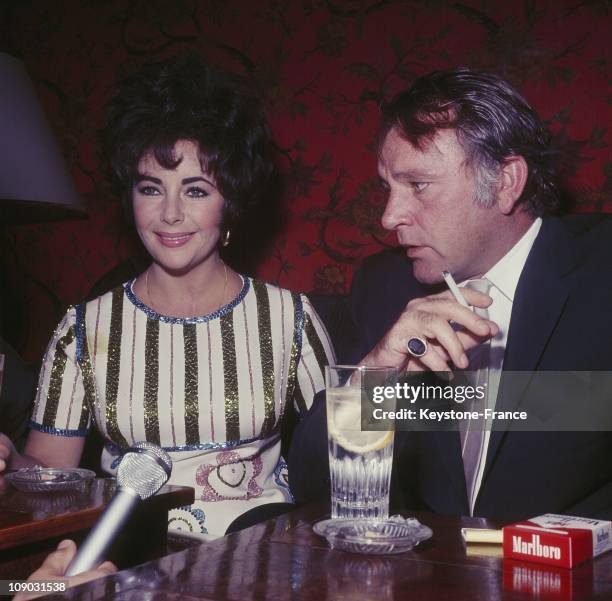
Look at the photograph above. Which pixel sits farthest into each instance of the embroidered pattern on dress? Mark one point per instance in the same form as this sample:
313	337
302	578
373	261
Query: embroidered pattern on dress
281	475
230	473
187	519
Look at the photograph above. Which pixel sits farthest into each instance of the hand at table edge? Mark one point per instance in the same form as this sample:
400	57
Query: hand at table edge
54	567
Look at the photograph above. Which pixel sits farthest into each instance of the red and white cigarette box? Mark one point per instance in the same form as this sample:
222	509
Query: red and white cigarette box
559	540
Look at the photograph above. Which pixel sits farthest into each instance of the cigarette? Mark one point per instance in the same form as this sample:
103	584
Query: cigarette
452	286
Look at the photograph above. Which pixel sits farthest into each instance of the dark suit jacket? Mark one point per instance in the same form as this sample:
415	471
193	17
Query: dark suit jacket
561	320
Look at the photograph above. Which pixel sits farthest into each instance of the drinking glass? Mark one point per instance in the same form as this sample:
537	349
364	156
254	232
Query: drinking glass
359	459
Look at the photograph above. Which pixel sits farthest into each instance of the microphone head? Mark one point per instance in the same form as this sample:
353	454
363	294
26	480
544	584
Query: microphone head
144	468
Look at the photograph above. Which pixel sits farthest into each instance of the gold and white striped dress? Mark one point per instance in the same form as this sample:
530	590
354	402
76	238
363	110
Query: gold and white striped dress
210	390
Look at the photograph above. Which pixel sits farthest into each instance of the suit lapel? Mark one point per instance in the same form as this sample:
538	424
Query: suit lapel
539	300
540	297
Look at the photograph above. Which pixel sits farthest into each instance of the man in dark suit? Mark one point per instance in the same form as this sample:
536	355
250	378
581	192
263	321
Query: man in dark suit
467	166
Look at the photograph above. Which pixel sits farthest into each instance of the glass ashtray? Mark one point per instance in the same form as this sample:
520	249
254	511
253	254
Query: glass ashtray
379	537
50	479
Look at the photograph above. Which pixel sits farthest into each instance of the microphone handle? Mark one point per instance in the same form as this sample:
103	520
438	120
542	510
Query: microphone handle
95	546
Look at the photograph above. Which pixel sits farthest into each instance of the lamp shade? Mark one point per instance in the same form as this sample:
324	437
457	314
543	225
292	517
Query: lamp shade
35	185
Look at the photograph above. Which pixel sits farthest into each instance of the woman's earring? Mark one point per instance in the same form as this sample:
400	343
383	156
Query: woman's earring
226	239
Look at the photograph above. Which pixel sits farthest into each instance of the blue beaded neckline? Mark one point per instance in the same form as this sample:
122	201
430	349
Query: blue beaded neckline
151	314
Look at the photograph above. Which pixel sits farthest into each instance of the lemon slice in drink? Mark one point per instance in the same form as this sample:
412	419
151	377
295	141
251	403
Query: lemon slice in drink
344	427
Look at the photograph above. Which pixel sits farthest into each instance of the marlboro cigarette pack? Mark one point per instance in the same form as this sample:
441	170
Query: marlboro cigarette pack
560	540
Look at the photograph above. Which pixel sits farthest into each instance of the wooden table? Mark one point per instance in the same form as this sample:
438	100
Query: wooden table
31	524
283	560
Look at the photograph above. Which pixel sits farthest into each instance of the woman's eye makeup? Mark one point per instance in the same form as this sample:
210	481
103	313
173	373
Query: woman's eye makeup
148	190
196	192
192	191
192	187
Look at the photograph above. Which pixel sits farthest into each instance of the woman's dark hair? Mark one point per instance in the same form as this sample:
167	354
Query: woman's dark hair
184	99
492	121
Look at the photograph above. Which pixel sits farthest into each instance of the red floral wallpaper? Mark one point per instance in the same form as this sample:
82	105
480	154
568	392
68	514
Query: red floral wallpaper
322	66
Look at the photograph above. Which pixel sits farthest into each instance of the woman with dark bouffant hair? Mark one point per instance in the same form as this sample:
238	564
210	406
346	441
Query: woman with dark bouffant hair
190	355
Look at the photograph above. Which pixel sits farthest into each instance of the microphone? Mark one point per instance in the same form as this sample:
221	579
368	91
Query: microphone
143	470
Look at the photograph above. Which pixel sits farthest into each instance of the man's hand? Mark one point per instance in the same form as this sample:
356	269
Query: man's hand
55	565
428	318
7	450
